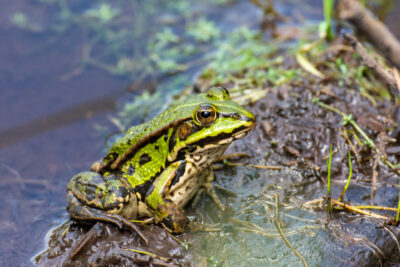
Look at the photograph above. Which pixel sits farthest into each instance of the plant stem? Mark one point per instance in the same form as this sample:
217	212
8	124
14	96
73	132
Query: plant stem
348	180
328	198
348	119
398	208
328	7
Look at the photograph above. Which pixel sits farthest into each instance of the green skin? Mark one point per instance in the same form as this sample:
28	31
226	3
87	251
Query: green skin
157	167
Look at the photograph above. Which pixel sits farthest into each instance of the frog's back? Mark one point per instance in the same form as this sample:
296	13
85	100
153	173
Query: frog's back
153	128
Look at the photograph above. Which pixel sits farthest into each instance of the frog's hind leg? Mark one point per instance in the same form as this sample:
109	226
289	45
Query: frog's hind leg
88	193
166	211
208	188
81	212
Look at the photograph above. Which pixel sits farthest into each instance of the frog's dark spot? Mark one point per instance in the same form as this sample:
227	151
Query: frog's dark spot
131	169
147	187
172	194
157	148
168	222
187	188
122	193
144	158
179	173
112	206
150	190
172	140
109	160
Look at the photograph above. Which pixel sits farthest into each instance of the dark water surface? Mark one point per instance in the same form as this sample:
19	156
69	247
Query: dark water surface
48	119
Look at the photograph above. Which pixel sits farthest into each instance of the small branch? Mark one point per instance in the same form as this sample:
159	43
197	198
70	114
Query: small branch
374	178
348	179
94	231
347	119
253	166
278	227
380	71
355	209
375	31
360	211
234	155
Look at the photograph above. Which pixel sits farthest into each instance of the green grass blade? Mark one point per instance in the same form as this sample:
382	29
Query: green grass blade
328	9
398	208
348	179
329	180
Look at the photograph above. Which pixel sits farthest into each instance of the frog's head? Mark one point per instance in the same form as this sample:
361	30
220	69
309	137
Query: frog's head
215	120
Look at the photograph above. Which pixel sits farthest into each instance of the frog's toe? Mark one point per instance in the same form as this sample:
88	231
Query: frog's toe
209	189
86	213
79	212
131	225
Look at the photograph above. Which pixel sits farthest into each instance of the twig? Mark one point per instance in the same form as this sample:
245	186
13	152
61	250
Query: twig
379	70
383	140
375	31
360	211
393	235
348	119
147	253
328	187
234	155
348	179
346	137
95	230
254	166
143	259
278	227
398	209
374	178
355	209
365	207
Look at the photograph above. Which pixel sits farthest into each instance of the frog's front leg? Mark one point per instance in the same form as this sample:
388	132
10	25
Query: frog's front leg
208	188
165	210
92	196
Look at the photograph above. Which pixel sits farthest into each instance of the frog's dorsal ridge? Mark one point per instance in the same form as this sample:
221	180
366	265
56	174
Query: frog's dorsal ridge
112	165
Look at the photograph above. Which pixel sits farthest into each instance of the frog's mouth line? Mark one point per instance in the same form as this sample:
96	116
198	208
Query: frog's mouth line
224	138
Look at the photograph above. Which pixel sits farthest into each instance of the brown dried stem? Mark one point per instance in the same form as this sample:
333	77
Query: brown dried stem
374	30
380	71
279	228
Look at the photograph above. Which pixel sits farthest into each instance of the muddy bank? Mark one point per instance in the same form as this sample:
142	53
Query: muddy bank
296	126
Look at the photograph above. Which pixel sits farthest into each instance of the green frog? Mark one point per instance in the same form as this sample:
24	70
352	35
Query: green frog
157	167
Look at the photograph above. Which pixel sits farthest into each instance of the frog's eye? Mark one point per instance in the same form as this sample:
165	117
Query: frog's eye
206	115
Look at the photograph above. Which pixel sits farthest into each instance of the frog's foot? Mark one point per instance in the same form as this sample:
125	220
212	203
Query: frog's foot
225	191
201	227
209	190
79	212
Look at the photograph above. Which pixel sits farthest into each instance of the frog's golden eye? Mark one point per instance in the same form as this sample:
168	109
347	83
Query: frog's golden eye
206	115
